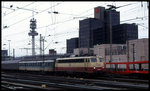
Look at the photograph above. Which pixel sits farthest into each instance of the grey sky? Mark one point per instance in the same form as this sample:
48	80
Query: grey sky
60	26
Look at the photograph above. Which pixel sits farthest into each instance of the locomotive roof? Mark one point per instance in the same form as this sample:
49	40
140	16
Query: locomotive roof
77	57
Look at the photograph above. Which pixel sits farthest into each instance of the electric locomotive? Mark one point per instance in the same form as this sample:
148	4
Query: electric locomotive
87	64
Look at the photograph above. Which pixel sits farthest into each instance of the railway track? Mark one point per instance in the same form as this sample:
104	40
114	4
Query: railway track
71	83
110	78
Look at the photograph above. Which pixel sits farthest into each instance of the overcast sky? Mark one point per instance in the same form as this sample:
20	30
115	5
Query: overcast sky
61	26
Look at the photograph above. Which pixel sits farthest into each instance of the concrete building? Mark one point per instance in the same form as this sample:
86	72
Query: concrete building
138	51
52	52
118	52
83	51
4	55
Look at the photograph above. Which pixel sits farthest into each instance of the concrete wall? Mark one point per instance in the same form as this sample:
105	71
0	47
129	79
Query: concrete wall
141	49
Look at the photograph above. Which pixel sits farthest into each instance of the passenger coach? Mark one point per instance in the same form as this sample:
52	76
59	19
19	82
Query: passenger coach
88	64
47	65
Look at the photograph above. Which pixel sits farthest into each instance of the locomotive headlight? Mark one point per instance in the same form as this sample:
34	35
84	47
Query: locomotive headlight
94	67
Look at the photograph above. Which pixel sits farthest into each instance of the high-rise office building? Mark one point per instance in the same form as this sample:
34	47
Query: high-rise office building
72	44
93	31
115	20
123	32
89	32
104	15
99	13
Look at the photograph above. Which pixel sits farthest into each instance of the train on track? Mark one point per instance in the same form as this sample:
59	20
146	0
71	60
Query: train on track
89	64
86	64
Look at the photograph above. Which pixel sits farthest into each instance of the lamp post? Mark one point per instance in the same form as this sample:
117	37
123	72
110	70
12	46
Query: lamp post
9	48
42	38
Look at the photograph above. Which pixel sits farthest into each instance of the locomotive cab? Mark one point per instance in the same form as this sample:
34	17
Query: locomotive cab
96	64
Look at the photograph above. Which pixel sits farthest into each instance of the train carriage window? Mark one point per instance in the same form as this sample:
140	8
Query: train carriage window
63	61
35	64
46	63
93	60
49	64
41	64
80	60
101	59
71	61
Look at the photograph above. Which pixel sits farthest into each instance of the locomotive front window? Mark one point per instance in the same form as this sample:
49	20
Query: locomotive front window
101	59
93	60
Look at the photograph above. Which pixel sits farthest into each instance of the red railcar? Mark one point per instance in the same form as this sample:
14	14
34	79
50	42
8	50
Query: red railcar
138	67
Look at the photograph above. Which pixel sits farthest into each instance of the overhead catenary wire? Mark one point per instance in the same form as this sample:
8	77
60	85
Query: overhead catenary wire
134	19
18	9
16	12
55	23
41	12
31	15
63	22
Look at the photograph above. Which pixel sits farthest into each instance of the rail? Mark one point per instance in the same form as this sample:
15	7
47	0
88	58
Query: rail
72	83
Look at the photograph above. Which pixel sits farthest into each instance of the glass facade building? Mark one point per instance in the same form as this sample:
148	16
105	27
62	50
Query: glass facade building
72	44
123	32
91	32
